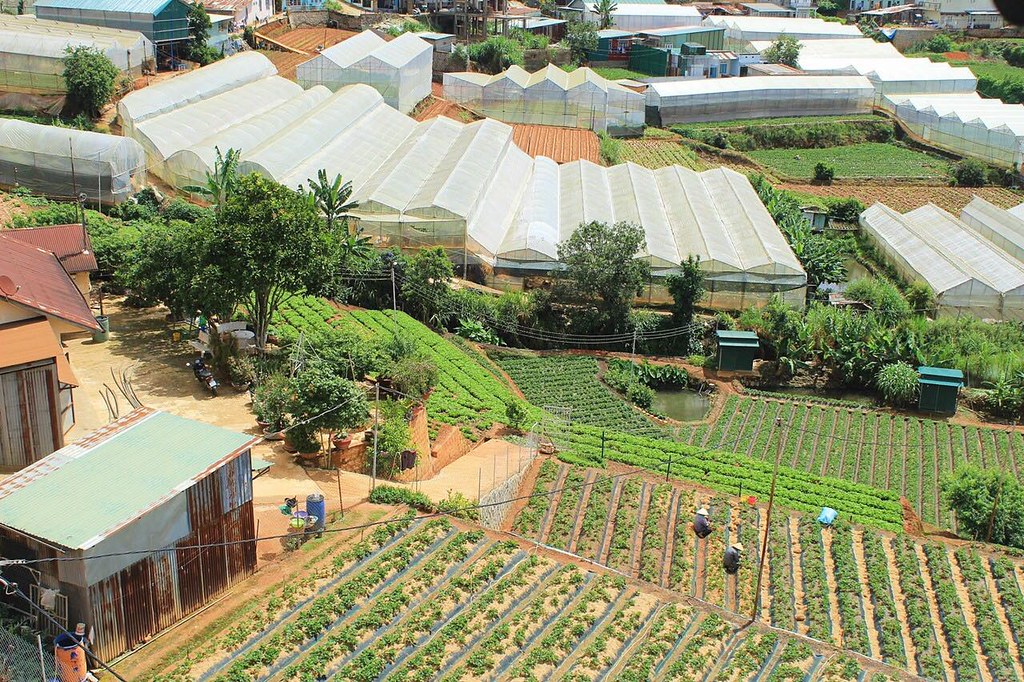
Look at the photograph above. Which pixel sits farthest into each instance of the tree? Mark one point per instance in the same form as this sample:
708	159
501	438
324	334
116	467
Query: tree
331	198
971	493
920	298
222	181
970	173
824	174
269	243
199	26
425	285
581	39
89	76
686	288
601	265
785	50
322	400
604	10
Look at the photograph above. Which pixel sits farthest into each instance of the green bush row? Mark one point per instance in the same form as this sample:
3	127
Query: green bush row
796	136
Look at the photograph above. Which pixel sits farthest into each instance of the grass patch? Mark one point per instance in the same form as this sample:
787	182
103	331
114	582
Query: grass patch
994	70
867	160
611	73
791	120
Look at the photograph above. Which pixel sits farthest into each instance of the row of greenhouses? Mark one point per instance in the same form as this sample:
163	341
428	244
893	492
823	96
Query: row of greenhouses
971	263
749	28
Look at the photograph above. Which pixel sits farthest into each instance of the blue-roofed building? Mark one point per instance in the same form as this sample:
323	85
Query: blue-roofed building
123	508
162	21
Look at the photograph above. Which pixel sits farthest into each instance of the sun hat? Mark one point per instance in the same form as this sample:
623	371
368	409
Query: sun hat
80	629
702	512
737	546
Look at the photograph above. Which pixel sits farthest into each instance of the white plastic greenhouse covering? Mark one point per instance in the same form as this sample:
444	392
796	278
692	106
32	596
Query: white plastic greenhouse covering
999	226
222	76
967	272
581	99
644	16
32	51
400	69
770	28
964	124
1017	211
65	162
759	97
164	135
845	50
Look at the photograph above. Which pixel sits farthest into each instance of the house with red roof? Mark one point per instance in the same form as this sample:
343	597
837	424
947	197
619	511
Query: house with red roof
71	245
40	304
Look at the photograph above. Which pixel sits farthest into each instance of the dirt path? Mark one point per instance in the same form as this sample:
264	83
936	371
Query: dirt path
799	439
636	550
699	566
968	608
906	450
670	539
865	593
1014	649
933	607
901	609
613	504
555	497
830	441
588	487
830	580
799	607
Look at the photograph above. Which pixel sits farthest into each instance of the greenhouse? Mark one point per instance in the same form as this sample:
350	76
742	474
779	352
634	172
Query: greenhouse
32	54
221	76
161	21
66	162
164	135
189	166
640	17
999	226
580	99
399	69
690	101
752	29
967	272
843	50
964	124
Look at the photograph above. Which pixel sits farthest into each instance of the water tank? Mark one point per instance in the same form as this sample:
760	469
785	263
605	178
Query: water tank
315	506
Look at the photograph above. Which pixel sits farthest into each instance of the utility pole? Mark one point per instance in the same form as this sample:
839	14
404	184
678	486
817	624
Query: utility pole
376	428
768	518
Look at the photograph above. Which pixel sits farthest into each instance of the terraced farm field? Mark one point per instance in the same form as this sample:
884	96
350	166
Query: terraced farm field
561	144
658	153
943	612
911	196
866	160
429	600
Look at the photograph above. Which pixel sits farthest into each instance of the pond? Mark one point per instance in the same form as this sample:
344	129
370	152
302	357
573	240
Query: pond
680	404
855	270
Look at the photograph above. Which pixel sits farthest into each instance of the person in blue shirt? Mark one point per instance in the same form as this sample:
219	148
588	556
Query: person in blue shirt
701	523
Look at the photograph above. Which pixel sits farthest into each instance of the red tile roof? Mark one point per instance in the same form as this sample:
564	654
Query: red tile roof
41	283
69	243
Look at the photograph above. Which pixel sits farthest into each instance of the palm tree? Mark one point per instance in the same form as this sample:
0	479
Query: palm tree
604	10
331	197
221	182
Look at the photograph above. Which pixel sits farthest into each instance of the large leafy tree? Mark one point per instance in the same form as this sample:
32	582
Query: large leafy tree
199	26
604	10
686	288
972	494
222	181
784	50
425	285
581	39
331	197
89	76
602	268
322	400
269	243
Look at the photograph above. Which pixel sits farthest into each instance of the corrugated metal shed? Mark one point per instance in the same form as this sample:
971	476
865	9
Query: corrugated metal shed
134	452
126	6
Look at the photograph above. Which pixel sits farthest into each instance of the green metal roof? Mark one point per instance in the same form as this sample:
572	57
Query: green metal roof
737	339
84	491
127	6
940	376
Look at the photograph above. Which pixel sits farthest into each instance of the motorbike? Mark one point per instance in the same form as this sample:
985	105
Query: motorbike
204	375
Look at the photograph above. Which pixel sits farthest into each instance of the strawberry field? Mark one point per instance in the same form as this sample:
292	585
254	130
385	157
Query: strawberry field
428	600
926	607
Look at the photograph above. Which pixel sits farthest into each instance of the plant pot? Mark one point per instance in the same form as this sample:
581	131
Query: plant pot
341	443
288	445
271	434
264	425
368	435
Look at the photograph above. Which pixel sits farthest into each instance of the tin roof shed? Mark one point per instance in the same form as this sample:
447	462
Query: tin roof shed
162	21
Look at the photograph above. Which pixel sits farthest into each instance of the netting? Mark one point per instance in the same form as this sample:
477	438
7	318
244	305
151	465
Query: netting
759	97
65	162
400	70
966	271
965	124
222	76
581	99
32	51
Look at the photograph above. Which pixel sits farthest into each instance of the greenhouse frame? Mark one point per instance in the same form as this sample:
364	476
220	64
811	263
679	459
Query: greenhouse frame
400	69
752	29
968	273
32	53
580	99
964	124
690	101
66	162
221	76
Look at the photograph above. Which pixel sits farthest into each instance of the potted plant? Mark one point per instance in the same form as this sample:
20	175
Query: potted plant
241	372
322	402
341	440
270	403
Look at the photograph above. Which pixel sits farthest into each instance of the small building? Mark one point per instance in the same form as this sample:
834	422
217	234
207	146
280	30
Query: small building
816	217
613	45
773	70
442	42
676	36
70	244
737	350
766	9
162	21
141	494
939	388
243	12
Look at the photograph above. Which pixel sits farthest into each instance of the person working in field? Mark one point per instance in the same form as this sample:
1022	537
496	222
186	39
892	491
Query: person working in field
702	524
731	559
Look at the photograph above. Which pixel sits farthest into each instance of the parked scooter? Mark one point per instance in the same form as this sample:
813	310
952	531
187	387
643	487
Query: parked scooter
204	375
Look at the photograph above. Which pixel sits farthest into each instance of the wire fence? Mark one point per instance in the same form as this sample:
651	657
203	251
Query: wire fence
24	658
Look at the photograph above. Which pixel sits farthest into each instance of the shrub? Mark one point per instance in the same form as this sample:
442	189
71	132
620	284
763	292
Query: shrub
459	506
1014	55
640	395
940	43
845	210
897	383
970	173
611	149
882	295
89	76
389	494
920	297
824	174
179	209
516	414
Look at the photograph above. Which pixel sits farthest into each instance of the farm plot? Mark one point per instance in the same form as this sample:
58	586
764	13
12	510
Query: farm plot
655	153
912	196
563	145
865	160
919	607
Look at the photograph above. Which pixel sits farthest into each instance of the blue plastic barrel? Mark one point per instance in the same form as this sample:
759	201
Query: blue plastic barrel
315	506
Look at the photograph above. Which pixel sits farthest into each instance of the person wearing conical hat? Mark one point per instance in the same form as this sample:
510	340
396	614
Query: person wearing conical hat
731	558
702	523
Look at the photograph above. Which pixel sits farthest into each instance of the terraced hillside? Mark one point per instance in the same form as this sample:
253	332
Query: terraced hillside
429	600
943	612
